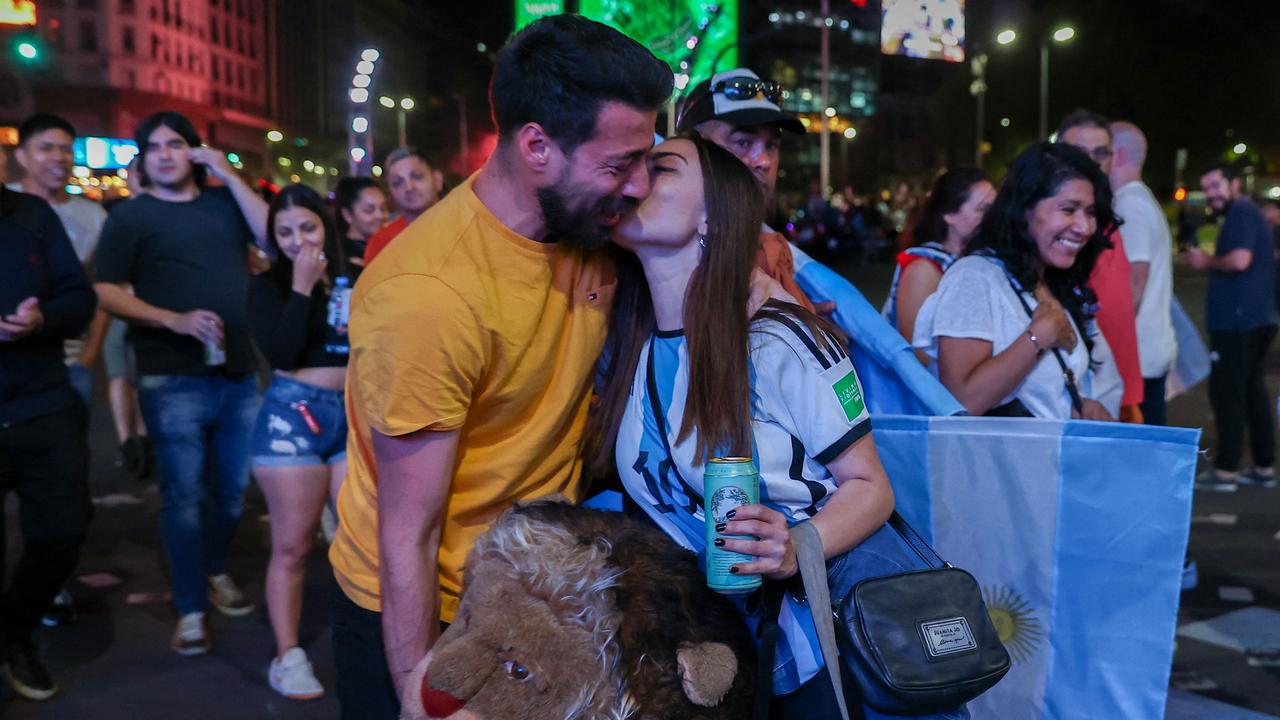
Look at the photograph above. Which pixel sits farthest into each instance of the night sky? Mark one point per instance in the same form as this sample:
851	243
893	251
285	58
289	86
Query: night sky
1196	74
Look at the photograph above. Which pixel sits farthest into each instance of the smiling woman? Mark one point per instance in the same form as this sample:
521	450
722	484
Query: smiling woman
1011	324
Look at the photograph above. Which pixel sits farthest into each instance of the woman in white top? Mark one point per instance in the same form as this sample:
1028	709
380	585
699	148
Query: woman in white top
1008	316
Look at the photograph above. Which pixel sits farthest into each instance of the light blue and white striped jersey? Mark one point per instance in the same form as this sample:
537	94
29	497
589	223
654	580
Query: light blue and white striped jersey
807	408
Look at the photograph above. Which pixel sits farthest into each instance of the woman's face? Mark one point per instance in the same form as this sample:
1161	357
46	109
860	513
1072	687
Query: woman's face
673	211
964	222
367	214
1062	223
297	228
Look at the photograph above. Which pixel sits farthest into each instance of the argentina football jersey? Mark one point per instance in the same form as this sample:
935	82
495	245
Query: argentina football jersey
807	408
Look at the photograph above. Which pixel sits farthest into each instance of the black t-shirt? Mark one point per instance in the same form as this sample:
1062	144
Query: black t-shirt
182	256
292	329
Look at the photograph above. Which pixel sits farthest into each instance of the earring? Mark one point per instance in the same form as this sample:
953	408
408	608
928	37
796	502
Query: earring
702	240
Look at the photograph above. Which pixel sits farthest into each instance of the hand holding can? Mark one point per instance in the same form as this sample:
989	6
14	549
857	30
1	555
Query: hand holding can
728	484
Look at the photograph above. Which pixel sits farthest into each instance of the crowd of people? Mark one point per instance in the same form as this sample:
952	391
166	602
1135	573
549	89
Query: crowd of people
585	307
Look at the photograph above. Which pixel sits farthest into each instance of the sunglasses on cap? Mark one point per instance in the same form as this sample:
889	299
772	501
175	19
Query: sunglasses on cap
749	88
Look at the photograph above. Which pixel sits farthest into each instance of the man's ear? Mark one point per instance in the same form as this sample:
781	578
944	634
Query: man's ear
707	671
535	148
437	177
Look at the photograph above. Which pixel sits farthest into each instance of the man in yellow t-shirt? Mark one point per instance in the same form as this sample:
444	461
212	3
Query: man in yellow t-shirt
474	339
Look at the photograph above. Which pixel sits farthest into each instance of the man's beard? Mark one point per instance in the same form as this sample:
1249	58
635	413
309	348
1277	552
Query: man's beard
579	228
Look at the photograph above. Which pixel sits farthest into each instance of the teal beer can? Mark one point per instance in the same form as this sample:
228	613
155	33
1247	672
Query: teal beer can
728	484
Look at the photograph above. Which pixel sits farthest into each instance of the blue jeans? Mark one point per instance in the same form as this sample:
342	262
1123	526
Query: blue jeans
201	427
82	380
884	553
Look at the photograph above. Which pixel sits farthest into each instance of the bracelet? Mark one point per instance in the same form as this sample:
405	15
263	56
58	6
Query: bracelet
1035	341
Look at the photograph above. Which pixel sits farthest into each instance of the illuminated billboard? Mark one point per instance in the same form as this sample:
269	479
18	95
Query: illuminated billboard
99	153
700	33
17	12
529	10
930	29
693	31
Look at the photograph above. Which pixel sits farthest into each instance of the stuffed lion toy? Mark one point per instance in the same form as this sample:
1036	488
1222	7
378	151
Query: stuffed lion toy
576	614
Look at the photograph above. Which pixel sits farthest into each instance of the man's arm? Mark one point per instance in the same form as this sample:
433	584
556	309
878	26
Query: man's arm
92	347
252	206
117	300
1236	261
415	473
1138	274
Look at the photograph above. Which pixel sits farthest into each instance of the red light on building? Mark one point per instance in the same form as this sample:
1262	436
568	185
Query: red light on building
17	12
1180	194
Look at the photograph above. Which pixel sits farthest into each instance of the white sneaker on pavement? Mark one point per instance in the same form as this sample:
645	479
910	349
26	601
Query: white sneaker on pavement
191	636
291	676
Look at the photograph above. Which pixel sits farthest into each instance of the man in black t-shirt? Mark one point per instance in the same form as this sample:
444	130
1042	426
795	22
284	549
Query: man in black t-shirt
183	247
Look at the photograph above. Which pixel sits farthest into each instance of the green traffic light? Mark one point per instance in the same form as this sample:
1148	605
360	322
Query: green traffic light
28	50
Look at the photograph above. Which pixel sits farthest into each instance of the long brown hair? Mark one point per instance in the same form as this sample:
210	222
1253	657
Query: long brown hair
716	325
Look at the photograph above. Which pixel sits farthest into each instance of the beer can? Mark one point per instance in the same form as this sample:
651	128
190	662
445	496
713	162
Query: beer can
728	484
214	355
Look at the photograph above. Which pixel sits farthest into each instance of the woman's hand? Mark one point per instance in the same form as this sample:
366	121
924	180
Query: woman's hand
1051	326
1092	410
308	268
774	552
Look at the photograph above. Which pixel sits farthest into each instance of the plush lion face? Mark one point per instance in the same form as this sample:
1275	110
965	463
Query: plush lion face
540	632
532	638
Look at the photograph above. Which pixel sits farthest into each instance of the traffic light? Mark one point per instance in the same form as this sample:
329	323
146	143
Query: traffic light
28	49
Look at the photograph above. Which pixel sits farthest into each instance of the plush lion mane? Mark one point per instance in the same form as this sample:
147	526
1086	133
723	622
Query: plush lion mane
639	595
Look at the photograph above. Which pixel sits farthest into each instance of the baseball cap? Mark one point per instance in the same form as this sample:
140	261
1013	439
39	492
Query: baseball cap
738	97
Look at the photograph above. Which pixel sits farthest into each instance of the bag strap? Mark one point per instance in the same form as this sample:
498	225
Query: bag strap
917	543
813	570
1068	376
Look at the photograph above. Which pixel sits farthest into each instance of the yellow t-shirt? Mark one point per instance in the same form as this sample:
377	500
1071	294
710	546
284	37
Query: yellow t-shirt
464	324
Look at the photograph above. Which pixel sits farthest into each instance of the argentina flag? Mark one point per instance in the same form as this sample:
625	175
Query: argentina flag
1075	530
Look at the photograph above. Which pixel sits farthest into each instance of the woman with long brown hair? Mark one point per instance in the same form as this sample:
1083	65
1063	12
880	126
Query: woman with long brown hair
691	376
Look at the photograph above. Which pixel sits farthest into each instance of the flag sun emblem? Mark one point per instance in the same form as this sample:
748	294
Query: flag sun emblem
1015	622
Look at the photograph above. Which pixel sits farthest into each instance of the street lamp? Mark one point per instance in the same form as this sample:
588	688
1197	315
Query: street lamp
360	134
1006	36
1061	35
406	104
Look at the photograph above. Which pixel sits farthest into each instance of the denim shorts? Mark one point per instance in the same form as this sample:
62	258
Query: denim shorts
283	437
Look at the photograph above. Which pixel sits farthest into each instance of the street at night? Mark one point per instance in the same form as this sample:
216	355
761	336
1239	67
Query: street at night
388	359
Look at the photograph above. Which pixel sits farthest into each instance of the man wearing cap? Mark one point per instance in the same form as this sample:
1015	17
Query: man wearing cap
739	111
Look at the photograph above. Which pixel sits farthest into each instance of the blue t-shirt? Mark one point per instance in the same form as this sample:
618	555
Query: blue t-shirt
807	409
1246	300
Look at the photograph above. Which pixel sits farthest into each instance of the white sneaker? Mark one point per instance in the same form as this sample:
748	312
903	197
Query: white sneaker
224	595
292	677
191	637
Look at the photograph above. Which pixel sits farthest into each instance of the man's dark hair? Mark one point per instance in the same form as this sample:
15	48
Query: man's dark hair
1082	118
40	122
559	70
178	123
1230	171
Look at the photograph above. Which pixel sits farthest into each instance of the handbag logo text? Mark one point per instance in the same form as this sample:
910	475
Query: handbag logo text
947	637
